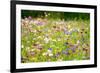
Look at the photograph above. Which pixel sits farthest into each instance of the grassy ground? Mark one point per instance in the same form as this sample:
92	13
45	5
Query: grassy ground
47	40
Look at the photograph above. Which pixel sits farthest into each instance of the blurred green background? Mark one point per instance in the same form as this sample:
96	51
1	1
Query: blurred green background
55	15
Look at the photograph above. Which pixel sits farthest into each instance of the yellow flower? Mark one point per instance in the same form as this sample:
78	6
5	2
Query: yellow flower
69	26
44	53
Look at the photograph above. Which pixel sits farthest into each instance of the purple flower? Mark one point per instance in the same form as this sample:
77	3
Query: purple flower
50	49
40	23
37	22
67	49
58	54
67	32
65	52
30	18
73	48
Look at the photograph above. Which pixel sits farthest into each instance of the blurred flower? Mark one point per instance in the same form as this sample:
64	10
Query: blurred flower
30	18
78	42
49	50
31	22
50	54
22	46
65	52
46	40
45	53
57	54
39	37
59	39
67	32
67	49
73	48
75	30
31	53
40	23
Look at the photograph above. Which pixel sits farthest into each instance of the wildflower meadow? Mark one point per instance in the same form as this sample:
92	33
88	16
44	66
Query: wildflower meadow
49	36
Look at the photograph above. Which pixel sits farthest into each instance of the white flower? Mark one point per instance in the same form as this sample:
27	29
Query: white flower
50	54
49	51
78	42
46	40
78	30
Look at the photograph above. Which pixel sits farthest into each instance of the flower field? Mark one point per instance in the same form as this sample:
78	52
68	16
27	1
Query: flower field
49	39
